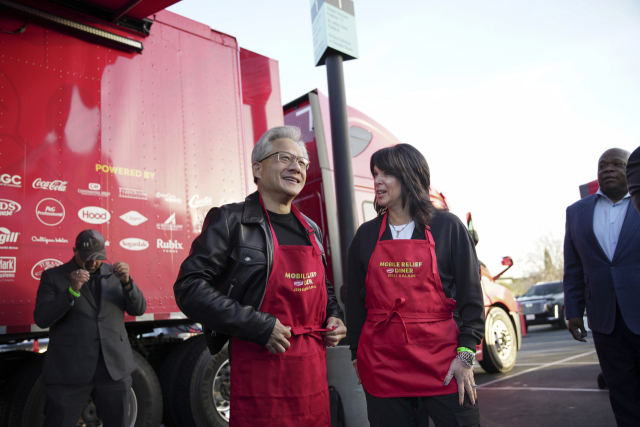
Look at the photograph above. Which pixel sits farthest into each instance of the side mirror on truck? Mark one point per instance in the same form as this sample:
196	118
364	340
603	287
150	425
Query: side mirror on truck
508	261
472	231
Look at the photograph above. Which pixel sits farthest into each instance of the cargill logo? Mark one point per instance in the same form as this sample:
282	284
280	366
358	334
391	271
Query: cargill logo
7	236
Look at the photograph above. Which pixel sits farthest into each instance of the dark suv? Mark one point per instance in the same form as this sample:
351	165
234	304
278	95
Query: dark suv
544	304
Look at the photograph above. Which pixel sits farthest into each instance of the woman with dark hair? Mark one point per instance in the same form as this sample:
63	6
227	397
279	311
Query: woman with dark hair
415	307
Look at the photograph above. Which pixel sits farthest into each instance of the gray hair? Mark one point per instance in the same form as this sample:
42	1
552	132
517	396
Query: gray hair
264	146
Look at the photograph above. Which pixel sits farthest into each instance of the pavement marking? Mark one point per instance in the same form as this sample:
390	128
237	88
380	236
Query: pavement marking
548	389
536	368
564	363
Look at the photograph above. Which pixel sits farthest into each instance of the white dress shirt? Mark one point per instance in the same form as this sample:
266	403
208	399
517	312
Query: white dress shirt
608	218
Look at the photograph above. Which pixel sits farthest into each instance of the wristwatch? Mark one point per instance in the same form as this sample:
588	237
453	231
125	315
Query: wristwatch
467	357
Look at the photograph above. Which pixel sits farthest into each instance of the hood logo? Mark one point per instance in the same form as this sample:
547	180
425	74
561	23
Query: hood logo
7	180
94	215
56	185
41	266
133	218
134	244
9	207
197	202
50	212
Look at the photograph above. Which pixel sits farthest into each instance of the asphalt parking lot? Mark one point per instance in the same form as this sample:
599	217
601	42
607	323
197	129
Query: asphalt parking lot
553	384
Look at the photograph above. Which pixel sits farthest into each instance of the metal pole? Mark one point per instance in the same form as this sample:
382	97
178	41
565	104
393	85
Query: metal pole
345	196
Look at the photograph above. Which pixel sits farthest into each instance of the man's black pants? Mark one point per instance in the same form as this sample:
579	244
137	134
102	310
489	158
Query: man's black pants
619	354
64	403
407	411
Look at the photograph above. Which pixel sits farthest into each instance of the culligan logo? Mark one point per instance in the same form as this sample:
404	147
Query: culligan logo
94	215
134	244
56	185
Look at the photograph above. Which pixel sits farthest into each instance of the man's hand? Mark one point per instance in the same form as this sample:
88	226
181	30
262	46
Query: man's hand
79	278
278	342
576	327
121	270
464	378
332	338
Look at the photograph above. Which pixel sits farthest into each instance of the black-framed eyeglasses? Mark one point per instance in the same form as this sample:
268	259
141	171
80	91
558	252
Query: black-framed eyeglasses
101	276
287	158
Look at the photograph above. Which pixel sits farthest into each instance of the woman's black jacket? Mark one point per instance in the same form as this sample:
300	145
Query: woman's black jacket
222	282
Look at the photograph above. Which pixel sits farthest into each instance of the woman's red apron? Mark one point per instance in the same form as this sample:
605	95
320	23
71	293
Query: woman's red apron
409	338
289	389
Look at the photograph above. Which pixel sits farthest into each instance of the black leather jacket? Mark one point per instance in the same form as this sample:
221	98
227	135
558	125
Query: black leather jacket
222	282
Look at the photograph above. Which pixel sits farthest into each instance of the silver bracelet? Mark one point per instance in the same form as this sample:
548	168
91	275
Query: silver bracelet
467	357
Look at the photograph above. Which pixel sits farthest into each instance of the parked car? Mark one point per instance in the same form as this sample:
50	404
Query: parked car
544	304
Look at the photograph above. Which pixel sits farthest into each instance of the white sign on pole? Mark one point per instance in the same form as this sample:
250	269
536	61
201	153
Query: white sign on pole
334	27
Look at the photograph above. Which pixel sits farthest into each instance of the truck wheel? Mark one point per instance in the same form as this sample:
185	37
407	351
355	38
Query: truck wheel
169	374
202	389
499	345
25	402
145	400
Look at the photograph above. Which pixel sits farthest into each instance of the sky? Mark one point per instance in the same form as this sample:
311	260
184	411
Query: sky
511	102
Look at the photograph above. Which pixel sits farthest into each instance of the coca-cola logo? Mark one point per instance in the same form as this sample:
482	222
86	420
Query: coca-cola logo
134	244
50	212
41	266
9	207
56	185
94	215
196	201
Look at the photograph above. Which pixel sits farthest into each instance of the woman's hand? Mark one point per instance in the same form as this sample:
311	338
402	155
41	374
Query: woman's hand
464	378
333	337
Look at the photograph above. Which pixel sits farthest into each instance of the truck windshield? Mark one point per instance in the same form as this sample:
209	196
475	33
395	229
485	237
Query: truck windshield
544	289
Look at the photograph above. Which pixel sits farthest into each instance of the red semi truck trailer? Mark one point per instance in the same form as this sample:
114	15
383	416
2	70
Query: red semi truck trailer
96	132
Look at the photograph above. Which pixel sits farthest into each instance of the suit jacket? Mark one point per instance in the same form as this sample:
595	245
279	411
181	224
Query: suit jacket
591	279
79	329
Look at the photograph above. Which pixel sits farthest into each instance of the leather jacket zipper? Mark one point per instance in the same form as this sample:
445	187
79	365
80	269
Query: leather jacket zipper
269	257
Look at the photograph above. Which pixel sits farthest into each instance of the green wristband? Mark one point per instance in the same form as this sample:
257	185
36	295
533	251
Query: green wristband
461	349
74	293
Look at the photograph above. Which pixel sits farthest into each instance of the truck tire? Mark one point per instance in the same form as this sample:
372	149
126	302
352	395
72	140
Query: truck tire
146	394
499	346
169	374
25	405
193	396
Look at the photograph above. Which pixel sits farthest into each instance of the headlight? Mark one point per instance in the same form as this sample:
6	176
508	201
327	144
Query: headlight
547	306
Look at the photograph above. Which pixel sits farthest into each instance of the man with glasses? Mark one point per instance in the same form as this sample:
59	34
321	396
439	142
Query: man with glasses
82	303
256	277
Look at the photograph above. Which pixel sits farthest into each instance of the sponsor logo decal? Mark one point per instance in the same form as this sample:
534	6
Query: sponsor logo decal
50	212
7	237
133	218
94	215
94	190
198	223
56	185
134	244
302	281
170	224
9	207
172	246
169	197
196	201
404	269
41	266
7	267
115	170
47	240
7	180
131	193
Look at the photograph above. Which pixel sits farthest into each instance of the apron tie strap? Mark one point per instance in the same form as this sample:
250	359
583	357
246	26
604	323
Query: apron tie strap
394	311
314	331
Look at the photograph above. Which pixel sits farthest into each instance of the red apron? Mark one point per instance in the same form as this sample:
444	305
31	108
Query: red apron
409	338
289	389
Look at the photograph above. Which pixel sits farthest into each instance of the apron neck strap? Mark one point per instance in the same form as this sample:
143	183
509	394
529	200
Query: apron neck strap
383	226
309	230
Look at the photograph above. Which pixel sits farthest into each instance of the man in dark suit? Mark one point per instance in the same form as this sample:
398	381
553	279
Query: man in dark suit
82	303
633	177
602	273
